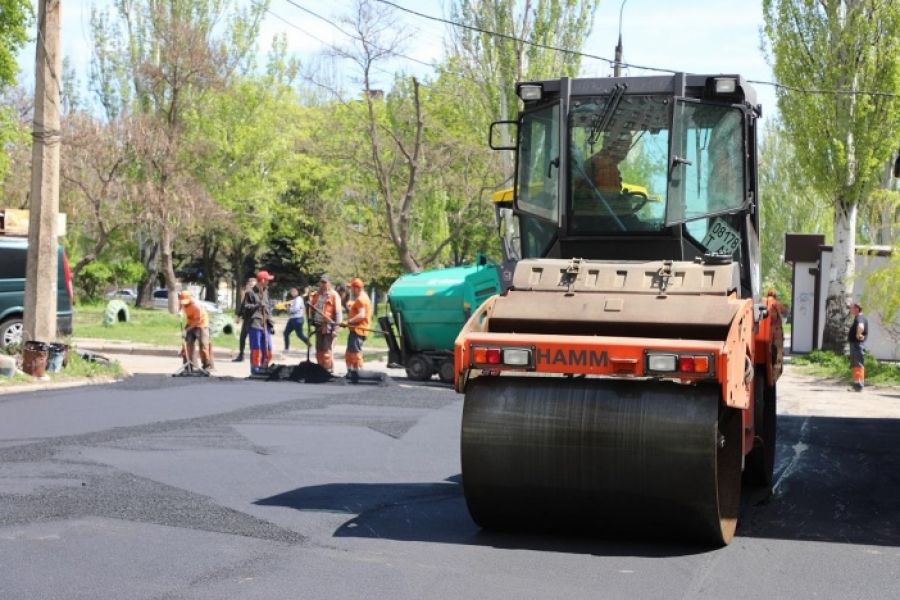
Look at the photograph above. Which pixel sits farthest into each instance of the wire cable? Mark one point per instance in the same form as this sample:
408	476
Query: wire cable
612	62
359	39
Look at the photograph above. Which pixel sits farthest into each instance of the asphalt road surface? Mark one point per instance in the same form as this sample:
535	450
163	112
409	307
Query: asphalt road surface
165	488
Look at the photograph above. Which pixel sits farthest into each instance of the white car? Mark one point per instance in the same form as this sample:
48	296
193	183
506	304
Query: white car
161	300
127	296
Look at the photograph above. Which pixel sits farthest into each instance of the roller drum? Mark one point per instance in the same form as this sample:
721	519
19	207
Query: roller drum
623	457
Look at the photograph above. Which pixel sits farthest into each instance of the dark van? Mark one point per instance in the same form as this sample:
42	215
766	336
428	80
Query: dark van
13	253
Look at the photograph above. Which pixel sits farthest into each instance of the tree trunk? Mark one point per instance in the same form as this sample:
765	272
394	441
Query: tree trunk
840	277
148	250
237	258
167	265
210	277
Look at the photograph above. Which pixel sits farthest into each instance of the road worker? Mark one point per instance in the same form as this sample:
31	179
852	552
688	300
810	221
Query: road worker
359	321
326	314
196	329
256	306
857	336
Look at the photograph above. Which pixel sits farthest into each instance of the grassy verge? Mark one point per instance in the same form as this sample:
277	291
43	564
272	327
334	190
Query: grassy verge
826	364
161	328
146	326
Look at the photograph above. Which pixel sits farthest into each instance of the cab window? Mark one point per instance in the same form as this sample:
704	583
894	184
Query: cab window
537	188
708	163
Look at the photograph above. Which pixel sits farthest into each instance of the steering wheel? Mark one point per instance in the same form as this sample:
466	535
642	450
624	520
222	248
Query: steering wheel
635	201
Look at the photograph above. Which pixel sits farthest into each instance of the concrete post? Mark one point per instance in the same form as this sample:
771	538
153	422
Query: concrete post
41	272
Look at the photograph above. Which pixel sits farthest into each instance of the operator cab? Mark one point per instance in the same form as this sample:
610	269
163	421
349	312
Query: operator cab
643	168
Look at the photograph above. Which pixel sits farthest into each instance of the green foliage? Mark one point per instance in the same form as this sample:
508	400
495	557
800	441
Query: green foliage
93	278
882	295
855	46
821	362
11	133
788	204
79	367
128	271
500	63
844	136
15	17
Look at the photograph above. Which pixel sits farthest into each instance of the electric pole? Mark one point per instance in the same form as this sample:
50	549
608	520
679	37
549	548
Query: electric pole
41	271
617	67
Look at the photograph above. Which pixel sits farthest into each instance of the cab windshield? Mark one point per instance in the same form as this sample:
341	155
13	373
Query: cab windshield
619	149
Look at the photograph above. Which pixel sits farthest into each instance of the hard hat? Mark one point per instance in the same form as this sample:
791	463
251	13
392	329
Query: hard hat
184	297
264	276
356	282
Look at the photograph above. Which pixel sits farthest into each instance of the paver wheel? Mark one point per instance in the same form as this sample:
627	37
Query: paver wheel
419	367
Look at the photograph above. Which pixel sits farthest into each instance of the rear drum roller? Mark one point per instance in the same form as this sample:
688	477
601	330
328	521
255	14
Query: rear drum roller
419	367
760	466
619	457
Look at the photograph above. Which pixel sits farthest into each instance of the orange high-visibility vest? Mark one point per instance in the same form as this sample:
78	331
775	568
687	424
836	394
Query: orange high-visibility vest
361	303
196	314
330	306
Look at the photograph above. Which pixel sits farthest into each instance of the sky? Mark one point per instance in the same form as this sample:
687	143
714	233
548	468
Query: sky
695	36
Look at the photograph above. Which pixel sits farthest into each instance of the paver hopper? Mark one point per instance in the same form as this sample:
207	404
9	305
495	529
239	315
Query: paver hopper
626	381
428	310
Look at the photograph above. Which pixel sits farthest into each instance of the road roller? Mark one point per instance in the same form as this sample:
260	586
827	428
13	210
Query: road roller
625	382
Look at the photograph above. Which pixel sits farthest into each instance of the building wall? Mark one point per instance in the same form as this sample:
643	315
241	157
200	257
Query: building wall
803	307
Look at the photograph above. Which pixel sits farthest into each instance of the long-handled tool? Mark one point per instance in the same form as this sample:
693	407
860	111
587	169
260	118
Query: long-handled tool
187	368
357	375
333	322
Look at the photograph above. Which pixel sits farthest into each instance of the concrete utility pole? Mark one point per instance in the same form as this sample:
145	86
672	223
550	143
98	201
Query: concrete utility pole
41	272
617	68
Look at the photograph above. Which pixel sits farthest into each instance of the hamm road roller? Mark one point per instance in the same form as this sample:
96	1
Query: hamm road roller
625	383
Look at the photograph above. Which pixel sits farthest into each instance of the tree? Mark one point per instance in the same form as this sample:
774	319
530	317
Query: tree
15	17
844	136
421	171
257	165
172	51
496	64
788	204
94	185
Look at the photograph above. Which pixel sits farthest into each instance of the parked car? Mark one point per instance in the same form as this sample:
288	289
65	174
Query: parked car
13	253
161	300
128	296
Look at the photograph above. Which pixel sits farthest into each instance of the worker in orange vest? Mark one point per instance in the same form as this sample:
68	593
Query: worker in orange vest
359	321
196	329
326	313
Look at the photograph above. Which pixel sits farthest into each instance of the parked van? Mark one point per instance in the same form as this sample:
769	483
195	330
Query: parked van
13	253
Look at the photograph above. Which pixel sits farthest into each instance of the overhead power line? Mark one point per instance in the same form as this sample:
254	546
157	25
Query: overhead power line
359	39
612	62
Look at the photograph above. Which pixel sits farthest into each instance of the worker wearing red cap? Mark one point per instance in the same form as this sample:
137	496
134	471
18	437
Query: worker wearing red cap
196	329
256	306
359	321
326	314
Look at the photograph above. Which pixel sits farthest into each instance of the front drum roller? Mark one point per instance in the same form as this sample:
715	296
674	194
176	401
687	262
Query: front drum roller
628	458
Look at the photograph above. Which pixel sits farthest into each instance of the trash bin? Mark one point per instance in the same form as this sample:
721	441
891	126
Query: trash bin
56	357
34	358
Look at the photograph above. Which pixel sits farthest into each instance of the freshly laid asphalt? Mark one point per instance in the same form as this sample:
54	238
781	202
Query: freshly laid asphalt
160	487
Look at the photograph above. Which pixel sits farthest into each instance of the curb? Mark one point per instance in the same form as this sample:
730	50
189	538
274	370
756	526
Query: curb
22	388
142	350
